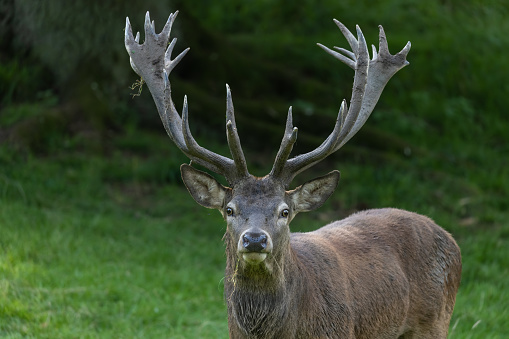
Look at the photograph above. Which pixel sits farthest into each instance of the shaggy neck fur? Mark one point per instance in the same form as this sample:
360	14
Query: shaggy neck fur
257	296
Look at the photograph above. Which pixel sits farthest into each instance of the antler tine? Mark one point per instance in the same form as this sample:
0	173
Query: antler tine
232	136
375	53
383	46
348	59
148	26
348	35
289	139
152	62
128	41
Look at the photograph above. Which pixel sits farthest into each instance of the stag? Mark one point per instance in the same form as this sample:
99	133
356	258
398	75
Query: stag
381	273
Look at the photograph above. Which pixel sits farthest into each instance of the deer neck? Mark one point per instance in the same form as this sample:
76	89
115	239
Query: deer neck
267	277
259	300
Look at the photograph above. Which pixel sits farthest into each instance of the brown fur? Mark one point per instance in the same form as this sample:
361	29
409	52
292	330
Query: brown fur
383	273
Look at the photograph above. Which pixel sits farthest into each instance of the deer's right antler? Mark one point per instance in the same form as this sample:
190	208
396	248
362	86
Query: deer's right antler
152	62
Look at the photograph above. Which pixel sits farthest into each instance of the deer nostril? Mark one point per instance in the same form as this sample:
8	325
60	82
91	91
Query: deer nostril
254	242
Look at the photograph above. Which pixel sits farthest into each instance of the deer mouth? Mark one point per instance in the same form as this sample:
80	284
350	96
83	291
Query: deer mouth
254	257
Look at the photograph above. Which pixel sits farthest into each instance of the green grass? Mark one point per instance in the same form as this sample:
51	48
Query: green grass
106	247
80	259
87	275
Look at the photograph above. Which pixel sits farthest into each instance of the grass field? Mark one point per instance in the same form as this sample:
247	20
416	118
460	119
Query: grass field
95	247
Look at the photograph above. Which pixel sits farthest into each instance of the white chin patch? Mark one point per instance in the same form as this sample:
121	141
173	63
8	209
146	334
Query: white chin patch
254	258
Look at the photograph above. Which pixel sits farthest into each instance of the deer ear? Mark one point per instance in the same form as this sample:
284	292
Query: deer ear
204	189
314	193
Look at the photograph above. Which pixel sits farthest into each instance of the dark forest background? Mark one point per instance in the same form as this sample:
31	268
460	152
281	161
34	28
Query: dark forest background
64	72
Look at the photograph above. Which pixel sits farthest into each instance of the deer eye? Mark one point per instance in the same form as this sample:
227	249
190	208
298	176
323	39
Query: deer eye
285	213
229	211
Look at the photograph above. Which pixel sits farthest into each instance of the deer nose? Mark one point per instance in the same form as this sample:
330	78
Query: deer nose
254	241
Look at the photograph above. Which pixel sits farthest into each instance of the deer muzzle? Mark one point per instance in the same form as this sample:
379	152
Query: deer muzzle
254	246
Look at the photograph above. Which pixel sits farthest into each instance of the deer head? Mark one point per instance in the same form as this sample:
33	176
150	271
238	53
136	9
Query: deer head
258	210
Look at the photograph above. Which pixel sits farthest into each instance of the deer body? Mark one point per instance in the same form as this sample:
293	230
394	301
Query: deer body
383	273
327	288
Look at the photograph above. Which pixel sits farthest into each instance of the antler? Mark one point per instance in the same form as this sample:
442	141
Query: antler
371	76
152	62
